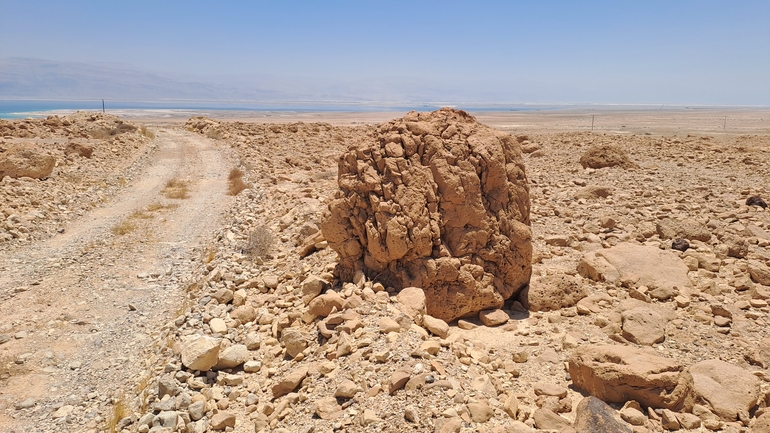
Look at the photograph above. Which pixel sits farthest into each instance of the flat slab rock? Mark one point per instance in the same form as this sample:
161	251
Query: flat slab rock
616	374
640	264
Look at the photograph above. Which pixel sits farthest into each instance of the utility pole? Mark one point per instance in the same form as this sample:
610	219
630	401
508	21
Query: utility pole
592	122
724	125
102	106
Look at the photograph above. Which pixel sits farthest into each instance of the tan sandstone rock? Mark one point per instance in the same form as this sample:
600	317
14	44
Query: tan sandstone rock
616	374
724	387
670	228
26	160
200	352
552	292
436	201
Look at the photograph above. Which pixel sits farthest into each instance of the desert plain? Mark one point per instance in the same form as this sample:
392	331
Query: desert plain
166	272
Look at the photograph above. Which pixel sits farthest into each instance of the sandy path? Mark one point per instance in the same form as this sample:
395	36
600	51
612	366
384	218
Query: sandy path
82	308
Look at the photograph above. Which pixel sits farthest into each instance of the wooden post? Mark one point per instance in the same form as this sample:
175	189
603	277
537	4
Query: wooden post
102	105
592	122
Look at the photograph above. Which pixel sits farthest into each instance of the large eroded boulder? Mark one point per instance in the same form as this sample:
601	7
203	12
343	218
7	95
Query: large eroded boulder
26	160
436	201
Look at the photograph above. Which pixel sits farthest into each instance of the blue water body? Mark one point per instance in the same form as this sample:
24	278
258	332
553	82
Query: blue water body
15	109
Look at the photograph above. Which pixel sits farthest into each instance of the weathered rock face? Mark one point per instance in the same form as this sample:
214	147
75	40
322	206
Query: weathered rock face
606	155
26	160
436	201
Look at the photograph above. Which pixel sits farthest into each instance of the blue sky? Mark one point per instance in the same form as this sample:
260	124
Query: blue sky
650	52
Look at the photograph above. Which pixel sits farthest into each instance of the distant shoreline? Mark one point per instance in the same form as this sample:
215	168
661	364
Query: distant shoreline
22	108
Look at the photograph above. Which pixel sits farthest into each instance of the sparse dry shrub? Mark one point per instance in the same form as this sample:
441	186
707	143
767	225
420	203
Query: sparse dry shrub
138	214
235	173
176	189
105	133
146	132
153	207
214	134
235	182
123	228
260	243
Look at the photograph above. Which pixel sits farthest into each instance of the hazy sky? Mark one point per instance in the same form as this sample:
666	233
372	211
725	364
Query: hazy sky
615	51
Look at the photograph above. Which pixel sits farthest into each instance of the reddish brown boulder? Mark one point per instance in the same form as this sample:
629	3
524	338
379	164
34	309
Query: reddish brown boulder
436	201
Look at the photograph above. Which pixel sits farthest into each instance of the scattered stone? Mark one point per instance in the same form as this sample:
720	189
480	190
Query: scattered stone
680	245
480	411
552	292
294	340
643	325
436	326
233	356
723	387
595	416
289	382
398	380
670	228
756	200
327	408
411	301
222	420
493	317
386	325
347	389
546	419
200	352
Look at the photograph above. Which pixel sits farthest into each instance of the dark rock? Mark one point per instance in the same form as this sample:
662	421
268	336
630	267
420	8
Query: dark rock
595	416
756	200
680	244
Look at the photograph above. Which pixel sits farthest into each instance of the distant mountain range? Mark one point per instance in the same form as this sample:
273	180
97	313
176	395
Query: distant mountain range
26	78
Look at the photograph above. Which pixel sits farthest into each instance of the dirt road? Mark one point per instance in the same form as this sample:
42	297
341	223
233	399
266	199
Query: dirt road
78	311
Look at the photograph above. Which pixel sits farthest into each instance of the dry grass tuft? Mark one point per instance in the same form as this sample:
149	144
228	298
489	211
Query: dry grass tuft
118	413
260	243
146	132
105	133
215	134
235	182
138	214
154	207
124	228
176	189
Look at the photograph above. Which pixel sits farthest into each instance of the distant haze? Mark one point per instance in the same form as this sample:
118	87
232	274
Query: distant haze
696	52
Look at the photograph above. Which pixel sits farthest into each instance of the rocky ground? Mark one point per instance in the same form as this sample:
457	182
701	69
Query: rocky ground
268	338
